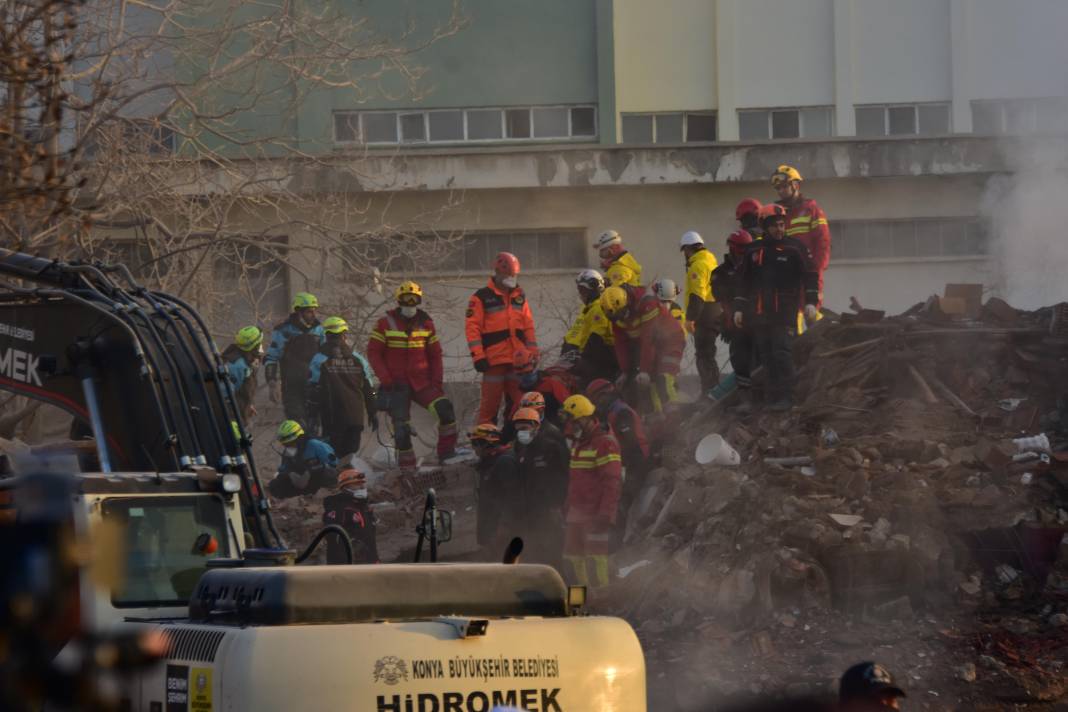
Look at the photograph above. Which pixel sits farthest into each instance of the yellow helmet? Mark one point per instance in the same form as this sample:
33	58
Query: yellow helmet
407	288
289	431
618	274
335	325
304	300
785	173
248	338
613	300
578	406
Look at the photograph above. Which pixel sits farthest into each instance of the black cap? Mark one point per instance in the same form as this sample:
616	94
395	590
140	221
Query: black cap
867	680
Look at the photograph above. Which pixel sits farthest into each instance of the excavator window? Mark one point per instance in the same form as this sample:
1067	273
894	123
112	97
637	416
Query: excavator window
165	553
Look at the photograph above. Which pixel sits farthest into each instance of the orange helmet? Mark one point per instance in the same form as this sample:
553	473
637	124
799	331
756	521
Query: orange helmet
774	210
523	361
749	206
533	399
351	478
485	434
506	264
526	415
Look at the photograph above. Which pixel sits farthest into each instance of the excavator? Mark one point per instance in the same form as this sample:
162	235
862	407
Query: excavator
162	460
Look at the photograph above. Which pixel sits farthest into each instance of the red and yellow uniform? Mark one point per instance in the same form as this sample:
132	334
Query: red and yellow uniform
650	340
593	491
405	354
806	221
498	323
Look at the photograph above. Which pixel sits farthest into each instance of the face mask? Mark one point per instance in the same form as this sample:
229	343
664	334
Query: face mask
408	312
510	282
359	493
525	437
289	451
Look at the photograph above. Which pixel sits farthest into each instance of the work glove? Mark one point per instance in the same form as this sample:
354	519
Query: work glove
810	313
482	365
643	379
738	319
274	391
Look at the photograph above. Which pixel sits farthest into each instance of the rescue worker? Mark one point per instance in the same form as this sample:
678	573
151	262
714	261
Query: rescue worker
747	213
547	428
588	344
242	357
617	275
626	425
499	497
704	316
666	291
610	249
726	287
595	481
405	352
499	322
805	220
307	463
555	385
649	344
543	460
868	687
350	510
293	343
340	391
777	278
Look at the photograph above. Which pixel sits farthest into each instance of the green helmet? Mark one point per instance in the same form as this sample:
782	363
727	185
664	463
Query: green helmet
335	325
289	431
248	338
304	300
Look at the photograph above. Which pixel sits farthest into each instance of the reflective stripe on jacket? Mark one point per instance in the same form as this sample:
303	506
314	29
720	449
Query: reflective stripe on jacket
498	323
806	221
649	340
406	351
595	480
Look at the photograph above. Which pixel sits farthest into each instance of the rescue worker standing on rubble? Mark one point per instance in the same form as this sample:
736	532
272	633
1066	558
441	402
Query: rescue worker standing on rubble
340	391
308	463
649	345
588	344
747	213
868	687
704	315
349	510
619	266
542	460
293	343
595	481
499	496
405	353
805	221
242	357
777	278
498	323
726	286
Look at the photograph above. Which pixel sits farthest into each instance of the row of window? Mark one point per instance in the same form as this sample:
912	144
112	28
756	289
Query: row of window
459	125
925	237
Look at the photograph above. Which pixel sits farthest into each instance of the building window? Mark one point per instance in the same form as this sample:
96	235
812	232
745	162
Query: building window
558	123
1017	116
903	120
914	238
674	127
764	124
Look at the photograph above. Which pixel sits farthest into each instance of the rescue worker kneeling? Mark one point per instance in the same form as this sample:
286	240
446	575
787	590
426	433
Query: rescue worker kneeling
350	510
543	461
499	501
307	464
649	345
593	490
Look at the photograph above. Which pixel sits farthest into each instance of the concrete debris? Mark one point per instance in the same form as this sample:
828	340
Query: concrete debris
966	672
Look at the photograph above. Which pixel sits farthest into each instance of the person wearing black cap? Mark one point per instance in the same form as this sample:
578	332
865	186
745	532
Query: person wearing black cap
868	687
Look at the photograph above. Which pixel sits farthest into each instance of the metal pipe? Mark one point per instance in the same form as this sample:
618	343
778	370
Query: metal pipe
97	423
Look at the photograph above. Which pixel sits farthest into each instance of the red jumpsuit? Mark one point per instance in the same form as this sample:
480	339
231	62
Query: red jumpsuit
498	323
806	221
650	340
594	487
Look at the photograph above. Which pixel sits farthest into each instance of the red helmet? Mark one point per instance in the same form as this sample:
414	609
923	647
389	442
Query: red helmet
774	210
598	387
739	238
523	360
506	264
749	206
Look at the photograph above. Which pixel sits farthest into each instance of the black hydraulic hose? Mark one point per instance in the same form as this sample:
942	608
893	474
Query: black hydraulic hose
342	536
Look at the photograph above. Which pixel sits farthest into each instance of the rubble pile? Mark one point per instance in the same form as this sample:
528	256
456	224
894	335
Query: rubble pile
892	495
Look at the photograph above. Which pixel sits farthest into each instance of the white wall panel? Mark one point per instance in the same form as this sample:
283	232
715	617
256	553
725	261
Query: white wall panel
901	51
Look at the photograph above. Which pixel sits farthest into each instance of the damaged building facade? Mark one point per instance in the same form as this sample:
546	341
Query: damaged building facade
540	124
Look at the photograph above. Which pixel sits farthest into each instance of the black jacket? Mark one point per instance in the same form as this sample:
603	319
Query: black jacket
777	278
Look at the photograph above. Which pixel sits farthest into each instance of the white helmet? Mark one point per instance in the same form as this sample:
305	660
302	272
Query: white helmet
591	279
691	238
607	239
665	289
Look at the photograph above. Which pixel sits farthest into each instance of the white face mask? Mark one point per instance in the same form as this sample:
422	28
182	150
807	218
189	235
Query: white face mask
510	282
408	312
524	436
289	451
359	493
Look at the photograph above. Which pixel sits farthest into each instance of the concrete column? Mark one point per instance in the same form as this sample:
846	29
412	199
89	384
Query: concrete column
726	75
607	117
961	77
845	118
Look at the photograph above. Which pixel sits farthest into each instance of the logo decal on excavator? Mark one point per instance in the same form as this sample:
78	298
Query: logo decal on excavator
19	365
390	670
